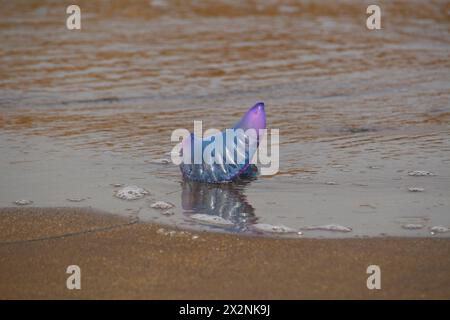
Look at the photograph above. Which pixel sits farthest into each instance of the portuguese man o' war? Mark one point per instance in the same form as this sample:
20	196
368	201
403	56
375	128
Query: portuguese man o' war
216	159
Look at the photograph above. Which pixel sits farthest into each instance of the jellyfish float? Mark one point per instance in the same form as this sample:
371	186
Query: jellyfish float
226	155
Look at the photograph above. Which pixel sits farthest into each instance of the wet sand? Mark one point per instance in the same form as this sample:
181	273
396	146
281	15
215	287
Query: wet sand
122	258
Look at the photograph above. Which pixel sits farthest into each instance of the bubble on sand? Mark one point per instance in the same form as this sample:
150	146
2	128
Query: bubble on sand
131	193
168	213
162	205
330	227
416	189
439	229
265	227
165	232
412	226
172	233
331	183
23	202
420	173
210	219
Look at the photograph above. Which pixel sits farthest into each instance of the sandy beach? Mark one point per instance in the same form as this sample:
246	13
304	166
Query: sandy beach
122	259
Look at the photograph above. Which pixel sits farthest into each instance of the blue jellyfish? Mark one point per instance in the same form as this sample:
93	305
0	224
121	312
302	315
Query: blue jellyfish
227	155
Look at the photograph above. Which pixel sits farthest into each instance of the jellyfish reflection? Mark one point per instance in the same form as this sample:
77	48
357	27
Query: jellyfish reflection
227	201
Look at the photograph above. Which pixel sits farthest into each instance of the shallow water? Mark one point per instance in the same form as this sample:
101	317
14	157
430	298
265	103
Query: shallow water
82	111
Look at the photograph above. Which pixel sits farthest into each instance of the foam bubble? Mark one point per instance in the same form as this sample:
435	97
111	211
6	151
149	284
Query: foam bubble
265	227
162	205
117	185
75	199
23	202
439	229
161	161
412	226
330	227
211	219
131	193
416	189
420	173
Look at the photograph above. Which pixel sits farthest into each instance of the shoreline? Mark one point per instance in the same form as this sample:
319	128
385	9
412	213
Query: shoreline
121	258
378	208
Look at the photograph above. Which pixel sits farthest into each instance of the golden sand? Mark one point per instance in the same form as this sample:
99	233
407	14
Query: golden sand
123	259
